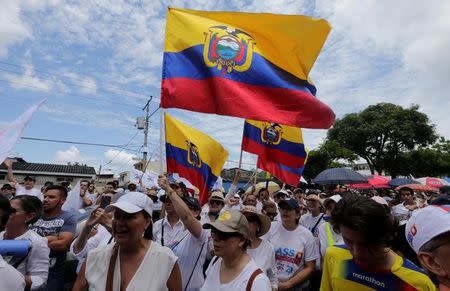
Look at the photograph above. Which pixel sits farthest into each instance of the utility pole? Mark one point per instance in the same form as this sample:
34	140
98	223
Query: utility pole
145	149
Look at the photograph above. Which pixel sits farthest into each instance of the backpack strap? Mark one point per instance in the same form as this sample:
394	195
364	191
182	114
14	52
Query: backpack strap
252	278
111	267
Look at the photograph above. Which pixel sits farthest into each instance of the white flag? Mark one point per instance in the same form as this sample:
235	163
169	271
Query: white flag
11	134
135	176
150	179
73	201
218	185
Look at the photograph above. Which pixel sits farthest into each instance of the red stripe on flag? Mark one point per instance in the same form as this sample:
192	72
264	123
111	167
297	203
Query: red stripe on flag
228	97
270	154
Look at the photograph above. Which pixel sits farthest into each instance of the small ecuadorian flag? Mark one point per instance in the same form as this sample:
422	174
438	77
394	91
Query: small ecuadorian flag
275	142
194	155
250	65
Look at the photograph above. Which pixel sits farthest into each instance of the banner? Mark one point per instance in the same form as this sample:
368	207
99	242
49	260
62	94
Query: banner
274	142
193	155
246	65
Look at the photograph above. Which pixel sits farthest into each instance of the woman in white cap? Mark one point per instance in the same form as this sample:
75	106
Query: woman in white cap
134	262
232	268
261	250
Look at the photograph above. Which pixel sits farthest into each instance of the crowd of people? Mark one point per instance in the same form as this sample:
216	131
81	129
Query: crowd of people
163	239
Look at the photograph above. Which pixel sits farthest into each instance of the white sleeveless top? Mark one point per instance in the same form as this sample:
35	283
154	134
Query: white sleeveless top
152	274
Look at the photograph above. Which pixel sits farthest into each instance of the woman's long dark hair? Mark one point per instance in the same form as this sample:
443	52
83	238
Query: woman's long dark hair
148	233
30	204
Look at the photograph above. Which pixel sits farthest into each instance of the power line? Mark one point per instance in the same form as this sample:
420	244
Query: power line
80	142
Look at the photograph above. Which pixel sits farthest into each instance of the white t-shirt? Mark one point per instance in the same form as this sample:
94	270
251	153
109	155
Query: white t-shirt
101	238
264	257
323	238
401	213
37	262
309	221
292	249
11	279
172	234
212	282
187	251
20	190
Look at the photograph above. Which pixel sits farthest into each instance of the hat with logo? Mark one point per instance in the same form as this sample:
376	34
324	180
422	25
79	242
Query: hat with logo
132	202
264	220
427	223
290	202
230	221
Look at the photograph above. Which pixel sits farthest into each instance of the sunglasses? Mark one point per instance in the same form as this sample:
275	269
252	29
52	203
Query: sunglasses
215	202
223	236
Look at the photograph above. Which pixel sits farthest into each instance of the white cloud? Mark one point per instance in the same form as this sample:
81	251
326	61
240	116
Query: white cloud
389	51
12	29
29	80
93	118
72	154
119	160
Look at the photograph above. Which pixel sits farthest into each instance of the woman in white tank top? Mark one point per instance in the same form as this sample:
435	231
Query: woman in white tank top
134	262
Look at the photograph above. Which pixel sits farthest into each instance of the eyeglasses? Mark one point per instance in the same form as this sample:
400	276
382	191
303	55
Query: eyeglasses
222	236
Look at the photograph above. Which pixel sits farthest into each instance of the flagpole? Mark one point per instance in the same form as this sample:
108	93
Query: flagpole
161	141
240	156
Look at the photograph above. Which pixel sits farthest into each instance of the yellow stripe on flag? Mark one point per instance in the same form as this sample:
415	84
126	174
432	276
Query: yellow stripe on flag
292	42
210	151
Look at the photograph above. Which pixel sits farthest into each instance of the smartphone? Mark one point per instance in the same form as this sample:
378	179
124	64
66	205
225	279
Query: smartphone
106	200
171	179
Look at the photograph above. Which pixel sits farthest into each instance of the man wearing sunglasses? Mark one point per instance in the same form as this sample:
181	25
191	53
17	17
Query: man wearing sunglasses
191	247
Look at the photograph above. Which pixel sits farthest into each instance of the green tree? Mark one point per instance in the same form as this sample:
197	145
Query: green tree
433	161
328	155
381	133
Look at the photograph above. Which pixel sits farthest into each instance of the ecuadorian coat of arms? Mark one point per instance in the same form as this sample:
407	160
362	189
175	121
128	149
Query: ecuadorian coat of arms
228	49
193	157
271	133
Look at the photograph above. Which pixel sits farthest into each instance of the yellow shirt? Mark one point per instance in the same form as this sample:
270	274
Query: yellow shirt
341	273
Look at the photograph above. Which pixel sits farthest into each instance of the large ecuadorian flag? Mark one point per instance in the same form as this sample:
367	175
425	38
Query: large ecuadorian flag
274	142
246	65
193	155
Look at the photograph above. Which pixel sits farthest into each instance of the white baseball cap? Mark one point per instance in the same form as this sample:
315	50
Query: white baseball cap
380	200
427	223
132	202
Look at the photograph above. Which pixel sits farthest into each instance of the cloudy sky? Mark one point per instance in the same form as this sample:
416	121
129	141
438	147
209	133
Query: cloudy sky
98	61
